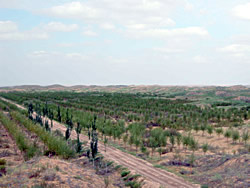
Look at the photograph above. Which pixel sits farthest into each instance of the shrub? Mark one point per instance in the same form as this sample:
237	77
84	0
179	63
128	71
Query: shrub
2	162
210	130
205	147
133	184
245	136
235	135
124	173
228	134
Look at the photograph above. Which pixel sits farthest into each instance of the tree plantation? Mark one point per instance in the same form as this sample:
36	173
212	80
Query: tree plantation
172	134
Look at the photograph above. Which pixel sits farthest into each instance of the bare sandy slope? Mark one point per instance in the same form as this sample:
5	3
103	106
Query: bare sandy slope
156	175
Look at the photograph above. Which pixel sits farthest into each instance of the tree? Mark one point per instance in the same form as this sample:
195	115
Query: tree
193	144
105	142
210	130
67	133
78	132
59	116
131	141
30	111
205	148
143	148
178	139
94	141
45	109
69	124
192	159
196	128
172	141
185	141
228	134
235	135
159	151
137	143
152	144
125	139
203	128
47	125
219	131
51	117
245	136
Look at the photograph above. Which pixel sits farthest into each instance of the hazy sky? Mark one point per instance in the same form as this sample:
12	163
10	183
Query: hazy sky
167	42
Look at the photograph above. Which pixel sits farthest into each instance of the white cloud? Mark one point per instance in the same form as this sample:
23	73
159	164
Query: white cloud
161	33
235	48
29	35
75	10
131	14
107	26
242	11
140	18
7	26
57	26
9	31
89	33
42	54
168	50
38	54
200	59
76	56
239	51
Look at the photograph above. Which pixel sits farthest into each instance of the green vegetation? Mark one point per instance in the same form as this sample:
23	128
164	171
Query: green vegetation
21	141
55	144
146	125
124	173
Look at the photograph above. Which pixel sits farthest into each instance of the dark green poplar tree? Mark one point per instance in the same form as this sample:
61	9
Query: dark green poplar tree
94	141
30	111
78	132
45	109
69	123
47	125
59	116
51	117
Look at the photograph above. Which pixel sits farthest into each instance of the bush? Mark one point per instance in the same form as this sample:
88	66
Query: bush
133	184
117	167
235	135
2	162
204	186
124	173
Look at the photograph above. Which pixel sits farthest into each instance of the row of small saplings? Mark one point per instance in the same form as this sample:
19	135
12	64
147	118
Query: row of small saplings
158	139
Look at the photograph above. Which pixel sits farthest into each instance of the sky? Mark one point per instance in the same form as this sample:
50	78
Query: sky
118	42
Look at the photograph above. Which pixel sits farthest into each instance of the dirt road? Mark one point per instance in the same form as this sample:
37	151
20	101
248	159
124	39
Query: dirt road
133	163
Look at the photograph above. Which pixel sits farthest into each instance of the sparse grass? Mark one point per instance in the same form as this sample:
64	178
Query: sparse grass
57	168
175	172
78	177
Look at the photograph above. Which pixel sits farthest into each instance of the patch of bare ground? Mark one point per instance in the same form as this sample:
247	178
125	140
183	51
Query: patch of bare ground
54	172
222	170
8	148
